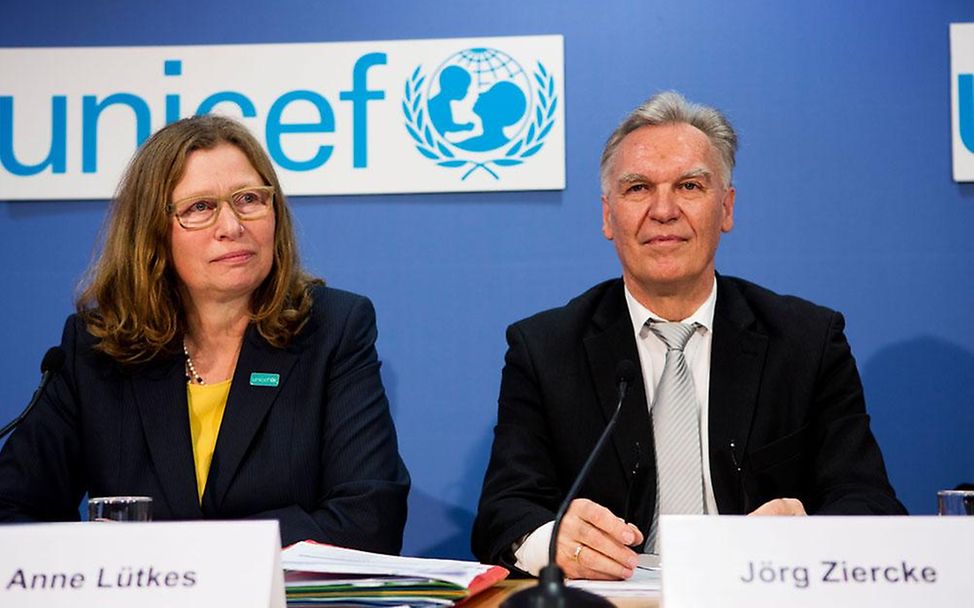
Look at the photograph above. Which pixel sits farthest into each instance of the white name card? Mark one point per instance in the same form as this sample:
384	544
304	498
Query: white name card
755	562
149	565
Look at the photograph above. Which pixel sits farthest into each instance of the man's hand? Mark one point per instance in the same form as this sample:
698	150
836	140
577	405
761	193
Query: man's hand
780	506
593	543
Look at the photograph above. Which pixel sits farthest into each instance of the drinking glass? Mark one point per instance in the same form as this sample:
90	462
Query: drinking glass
955	502
120	508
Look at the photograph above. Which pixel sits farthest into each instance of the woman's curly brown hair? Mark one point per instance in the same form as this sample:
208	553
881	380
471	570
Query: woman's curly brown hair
130	298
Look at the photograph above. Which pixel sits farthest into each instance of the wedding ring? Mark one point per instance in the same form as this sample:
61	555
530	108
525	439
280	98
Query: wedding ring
578	550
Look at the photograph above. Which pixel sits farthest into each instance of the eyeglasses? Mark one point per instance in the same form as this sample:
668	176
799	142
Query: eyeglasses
201	211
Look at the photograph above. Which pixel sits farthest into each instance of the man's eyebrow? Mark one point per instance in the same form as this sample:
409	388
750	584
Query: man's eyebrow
697	172
631	178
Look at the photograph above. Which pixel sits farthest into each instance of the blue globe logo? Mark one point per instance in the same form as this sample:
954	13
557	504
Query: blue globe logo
479	111
478	99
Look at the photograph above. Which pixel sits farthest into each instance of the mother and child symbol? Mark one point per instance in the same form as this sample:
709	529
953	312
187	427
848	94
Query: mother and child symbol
503	104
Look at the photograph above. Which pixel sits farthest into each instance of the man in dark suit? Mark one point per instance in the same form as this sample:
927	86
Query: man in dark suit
768	381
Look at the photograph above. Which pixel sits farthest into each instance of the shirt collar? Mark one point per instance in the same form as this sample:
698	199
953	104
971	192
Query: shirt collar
704	315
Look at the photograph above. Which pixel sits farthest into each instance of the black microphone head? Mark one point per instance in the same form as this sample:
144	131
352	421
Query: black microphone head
625	371
53	360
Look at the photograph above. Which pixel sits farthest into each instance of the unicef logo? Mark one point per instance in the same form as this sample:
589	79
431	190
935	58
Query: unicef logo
480	110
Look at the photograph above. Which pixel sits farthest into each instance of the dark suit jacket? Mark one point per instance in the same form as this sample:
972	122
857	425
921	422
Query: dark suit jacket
318	452
783	387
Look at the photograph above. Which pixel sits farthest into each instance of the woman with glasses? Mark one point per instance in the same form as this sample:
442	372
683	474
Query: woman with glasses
206	370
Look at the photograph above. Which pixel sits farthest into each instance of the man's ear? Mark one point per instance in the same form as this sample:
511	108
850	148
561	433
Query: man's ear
727	222
606	219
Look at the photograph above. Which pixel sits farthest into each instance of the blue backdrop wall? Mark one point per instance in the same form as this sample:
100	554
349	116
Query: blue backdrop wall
844	197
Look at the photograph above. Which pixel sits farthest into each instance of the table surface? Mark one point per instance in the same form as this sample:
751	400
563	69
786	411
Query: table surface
492	598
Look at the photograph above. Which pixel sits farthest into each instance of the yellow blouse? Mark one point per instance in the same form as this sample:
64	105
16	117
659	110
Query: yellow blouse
207	403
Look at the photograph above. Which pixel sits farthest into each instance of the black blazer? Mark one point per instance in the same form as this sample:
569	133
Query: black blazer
318	452
783	387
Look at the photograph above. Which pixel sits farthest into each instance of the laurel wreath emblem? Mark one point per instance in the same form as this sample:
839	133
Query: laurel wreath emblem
432	146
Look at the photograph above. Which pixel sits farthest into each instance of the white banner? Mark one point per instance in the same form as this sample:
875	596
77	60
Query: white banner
443	115
758	562
962	99
149	565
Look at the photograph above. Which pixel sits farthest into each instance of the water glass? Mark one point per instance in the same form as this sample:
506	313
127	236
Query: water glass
955	502
120	508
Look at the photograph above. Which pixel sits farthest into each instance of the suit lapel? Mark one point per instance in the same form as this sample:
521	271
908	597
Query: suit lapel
160	392
736	364
247	407
612	341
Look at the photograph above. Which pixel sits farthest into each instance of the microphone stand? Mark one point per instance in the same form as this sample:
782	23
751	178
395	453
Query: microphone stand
50	365
551	591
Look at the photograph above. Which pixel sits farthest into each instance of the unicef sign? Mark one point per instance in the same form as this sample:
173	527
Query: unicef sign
962	99
480	110
343	118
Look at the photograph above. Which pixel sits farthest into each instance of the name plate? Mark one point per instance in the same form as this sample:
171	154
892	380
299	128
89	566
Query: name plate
816	561
159	564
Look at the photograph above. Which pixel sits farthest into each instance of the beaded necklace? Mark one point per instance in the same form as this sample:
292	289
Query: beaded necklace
191	373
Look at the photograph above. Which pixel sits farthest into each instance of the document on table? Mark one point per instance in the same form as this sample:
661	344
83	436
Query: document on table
645	581
317	574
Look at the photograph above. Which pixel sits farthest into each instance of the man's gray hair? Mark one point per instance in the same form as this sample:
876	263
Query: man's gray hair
671	107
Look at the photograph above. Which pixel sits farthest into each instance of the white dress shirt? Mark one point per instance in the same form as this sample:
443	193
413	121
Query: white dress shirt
532	553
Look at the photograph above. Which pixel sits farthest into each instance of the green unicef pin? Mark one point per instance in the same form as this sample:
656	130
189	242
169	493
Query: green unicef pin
264	379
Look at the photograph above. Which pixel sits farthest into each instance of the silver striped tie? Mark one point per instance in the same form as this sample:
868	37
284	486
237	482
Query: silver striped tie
676	430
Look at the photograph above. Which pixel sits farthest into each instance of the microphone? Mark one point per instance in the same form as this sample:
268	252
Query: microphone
51	364
551	591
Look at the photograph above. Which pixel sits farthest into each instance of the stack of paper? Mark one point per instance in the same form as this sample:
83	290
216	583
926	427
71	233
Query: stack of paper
322	574
645	581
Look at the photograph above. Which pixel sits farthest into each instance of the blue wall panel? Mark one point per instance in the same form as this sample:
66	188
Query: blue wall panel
844	197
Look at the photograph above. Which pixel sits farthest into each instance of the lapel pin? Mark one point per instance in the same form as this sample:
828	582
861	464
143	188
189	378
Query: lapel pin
264	379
